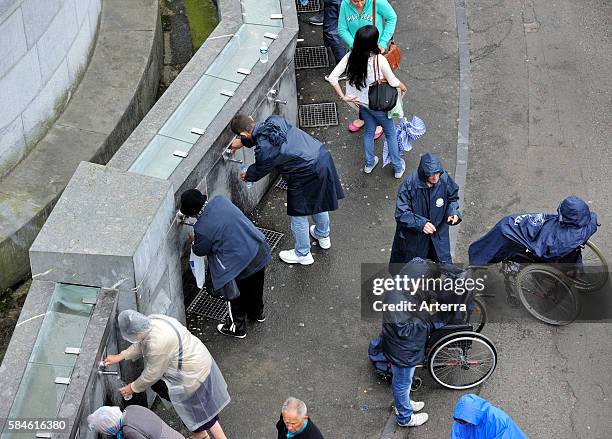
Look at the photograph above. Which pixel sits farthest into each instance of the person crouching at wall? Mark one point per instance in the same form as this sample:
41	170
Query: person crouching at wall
135	422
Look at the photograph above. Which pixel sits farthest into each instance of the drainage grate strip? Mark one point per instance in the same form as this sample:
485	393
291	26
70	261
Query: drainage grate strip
272	236
208	306
311	57
281	184
310	6
318	115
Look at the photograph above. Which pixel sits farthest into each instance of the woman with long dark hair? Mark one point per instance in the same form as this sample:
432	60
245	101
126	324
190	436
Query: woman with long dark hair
363	64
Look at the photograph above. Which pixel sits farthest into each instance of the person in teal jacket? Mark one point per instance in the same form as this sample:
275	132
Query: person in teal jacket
354	14
477	418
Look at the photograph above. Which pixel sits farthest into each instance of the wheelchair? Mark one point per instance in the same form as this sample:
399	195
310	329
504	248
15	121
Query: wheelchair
548	289
457	355
457	358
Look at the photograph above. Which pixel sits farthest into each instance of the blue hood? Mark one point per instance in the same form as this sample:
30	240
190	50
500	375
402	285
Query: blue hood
429	165
275	131
574	212
471	408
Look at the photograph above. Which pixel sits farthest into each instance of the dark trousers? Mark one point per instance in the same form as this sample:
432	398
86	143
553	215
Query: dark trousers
331	38
250	303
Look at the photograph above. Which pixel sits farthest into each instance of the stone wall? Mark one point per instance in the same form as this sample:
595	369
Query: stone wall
117	230
44	47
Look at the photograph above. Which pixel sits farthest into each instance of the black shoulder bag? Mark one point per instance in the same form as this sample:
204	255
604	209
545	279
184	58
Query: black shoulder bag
381	96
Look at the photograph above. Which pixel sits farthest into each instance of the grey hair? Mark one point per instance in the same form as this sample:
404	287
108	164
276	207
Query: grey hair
295	404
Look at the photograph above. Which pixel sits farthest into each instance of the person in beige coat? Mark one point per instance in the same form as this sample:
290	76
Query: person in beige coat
195	384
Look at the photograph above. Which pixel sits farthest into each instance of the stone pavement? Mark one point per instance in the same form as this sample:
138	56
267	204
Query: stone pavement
553	381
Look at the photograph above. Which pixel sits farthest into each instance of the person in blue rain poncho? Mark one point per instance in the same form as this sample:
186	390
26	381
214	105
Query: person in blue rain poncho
547	236
427	203
313	184
476	418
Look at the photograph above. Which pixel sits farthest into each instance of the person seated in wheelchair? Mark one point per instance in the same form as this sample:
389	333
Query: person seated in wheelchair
538	236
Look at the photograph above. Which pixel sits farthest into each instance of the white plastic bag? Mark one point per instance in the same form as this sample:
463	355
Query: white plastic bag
397	111
198	268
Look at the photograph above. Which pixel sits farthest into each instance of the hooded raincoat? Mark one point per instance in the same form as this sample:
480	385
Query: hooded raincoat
313	184
484	421
547	236
418	204
350	21
404	333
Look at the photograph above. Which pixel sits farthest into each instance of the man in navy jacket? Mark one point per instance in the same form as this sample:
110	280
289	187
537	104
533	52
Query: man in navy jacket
237	254
427	203
313	185
404	338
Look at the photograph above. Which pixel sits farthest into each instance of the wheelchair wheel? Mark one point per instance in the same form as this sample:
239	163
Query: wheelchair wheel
477	314
462	360
547	295
594	274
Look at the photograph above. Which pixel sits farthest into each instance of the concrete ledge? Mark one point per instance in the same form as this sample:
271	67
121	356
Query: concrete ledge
117	90
204	167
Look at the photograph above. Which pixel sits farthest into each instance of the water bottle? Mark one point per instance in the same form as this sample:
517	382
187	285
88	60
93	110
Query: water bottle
249	184
120	383
263	53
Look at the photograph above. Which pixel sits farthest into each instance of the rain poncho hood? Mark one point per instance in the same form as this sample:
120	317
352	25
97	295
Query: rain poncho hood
485	421
133	325
547	236
105	419
428	166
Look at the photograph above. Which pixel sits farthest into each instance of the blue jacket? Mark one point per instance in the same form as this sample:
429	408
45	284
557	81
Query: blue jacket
485	421
404	333
418	204
547	236
228	238
313	185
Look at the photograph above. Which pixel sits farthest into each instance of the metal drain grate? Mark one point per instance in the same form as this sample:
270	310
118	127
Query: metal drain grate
208	306
312	57
311	6
272	236
318	115
281	184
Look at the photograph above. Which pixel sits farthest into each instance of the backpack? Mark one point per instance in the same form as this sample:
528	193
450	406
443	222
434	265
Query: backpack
381	365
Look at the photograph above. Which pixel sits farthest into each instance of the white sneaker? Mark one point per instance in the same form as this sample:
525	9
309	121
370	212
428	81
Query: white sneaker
324	243
401	173
417	406
415	420
368	169
291	257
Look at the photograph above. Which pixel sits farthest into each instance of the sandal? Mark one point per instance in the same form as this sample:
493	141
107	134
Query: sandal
354	128
379	132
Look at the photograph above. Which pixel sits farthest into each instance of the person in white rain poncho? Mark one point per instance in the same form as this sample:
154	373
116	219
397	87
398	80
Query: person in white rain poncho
135	422
195	384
